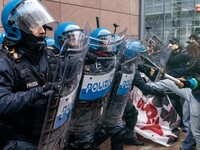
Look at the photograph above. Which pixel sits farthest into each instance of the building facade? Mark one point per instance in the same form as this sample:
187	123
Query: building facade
124	13
171	18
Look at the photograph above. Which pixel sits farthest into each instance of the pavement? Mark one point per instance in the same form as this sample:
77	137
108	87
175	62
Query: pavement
149	145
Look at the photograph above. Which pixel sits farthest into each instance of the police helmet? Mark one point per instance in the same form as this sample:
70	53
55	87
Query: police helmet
67	31
2	35
99	36
49	41
133	48
25	15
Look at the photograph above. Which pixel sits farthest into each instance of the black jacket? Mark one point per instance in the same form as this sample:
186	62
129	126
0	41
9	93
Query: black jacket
177	60
193	67
21	105
140	83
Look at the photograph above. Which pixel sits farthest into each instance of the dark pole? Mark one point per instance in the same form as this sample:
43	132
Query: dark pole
115	27
97	22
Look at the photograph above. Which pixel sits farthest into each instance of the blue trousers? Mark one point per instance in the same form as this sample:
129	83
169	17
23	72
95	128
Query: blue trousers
195	120
189	141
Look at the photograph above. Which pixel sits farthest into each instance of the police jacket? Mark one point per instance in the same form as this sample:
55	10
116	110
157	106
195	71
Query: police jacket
140	83
22	107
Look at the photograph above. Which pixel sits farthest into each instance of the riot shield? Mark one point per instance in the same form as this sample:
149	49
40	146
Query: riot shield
60	105
156	57
95	88
120	93
123	83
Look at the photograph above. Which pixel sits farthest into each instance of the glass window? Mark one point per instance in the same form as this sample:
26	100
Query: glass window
172	18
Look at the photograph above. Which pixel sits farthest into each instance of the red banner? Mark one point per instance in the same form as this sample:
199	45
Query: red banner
157	119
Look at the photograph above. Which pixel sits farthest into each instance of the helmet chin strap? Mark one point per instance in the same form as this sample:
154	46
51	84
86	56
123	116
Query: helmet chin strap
9	42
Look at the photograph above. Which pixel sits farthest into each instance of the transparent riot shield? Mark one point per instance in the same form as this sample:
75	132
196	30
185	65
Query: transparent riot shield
119	95
95	88
59	109
121	88
156	56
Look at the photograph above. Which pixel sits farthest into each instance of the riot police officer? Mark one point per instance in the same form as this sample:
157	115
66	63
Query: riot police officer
130	112
71	45
113	124
23	73
95	87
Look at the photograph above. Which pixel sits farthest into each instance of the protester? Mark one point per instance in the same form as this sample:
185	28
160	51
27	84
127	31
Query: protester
176	67
178	58
193	38
193	83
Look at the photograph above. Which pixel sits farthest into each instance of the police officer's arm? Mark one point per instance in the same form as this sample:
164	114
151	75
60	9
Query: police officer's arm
11	101
139	82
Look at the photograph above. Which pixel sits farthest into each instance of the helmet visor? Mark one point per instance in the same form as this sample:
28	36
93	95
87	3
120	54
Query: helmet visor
104	43
31	15
74	38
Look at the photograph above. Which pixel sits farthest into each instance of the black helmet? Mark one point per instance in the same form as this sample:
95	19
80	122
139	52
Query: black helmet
194	36
174	40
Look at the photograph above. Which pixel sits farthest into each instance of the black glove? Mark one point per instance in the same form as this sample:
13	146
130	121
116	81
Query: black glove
51	88
186	84
143	68
90	58
149	71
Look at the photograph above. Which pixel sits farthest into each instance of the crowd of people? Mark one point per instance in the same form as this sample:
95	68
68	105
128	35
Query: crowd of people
73	91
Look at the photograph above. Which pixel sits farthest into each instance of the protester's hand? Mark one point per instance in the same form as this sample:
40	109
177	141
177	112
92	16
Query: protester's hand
183	83
51	88
174	47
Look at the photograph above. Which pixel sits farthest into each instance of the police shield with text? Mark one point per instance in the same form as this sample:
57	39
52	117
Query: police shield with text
71	45
113	125
94	90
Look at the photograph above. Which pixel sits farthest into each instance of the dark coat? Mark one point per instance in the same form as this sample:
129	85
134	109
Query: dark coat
194	68
177	60
22	105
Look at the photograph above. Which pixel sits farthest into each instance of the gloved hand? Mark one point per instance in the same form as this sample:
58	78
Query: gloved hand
51	88
148	70
183	83
90	58
143	68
